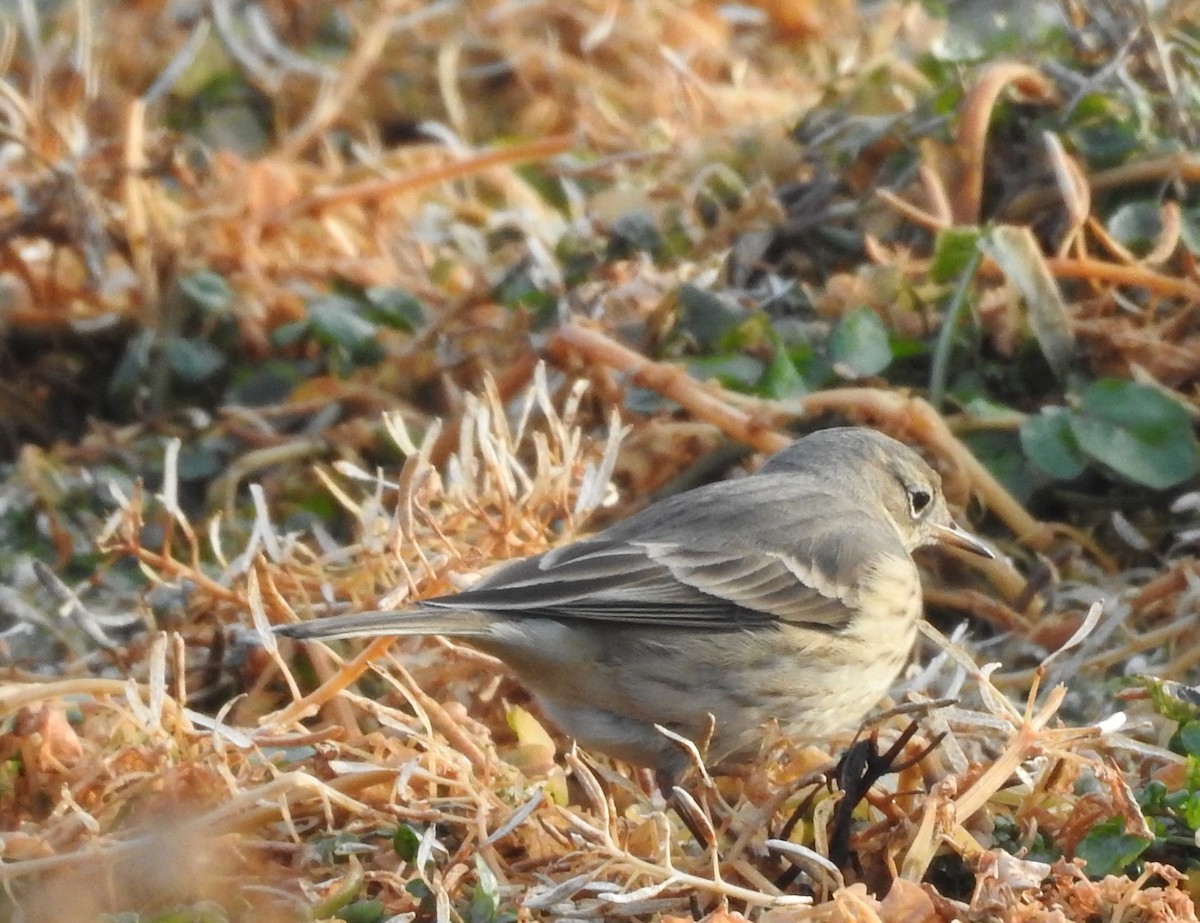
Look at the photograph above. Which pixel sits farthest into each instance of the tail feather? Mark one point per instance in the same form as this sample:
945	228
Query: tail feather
455	623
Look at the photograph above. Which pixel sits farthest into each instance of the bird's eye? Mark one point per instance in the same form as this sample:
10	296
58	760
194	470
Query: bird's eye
919	500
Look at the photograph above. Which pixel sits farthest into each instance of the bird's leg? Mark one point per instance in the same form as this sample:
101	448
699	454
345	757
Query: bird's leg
861	766
857	772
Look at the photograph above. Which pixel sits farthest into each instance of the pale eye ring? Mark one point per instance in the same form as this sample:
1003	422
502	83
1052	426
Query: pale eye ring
919	500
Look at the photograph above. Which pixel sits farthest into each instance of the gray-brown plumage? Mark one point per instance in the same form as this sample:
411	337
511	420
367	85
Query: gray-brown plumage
788	595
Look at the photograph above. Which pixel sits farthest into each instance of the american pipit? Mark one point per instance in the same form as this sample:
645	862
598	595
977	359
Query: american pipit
789	595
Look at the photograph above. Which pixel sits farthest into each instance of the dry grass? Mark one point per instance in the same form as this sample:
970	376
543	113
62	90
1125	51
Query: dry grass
141	801
190	762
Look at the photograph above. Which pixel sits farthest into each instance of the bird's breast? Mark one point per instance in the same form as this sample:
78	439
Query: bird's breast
887	599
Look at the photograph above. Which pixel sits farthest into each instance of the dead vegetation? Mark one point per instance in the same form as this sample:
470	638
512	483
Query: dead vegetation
578	256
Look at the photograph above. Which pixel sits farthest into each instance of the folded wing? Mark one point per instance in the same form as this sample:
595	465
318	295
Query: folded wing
660	583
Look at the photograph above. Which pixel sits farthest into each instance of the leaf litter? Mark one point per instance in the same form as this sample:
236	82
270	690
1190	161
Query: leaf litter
200	764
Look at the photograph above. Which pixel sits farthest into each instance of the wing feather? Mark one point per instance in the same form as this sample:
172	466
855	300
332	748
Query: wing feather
801	567
657	583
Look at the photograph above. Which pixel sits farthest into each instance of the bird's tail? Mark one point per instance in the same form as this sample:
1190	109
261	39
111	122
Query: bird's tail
454	623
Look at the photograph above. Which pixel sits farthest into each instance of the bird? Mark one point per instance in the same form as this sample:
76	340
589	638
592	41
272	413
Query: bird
789	595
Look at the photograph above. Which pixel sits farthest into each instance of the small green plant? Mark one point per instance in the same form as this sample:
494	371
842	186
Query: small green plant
1134	429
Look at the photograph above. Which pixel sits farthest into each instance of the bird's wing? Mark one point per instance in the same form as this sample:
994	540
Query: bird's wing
664	584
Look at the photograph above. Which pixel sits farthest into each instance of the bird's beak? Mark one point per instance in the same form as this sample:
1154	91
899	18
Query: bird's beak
960	538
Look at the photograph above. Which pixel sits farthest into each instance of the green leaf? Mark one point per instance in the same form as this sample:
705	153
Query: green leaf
947	101
1136	225
1001	454
1171	699
369	911
339	844
335	321
952	251
1152	798
1020	258
521	288
1107	849
482	908
1189	230
812	365
1089	107
484	896
406	841
394	307
782	379
207	290
1137	431
633	232
1189	738
419	890
201	912
908	348
706	318
201	462
1106	143
291	333
981	407
858	345
132	368
1049	443
956	309
266	383
487	878
1191	811
739	372
193	361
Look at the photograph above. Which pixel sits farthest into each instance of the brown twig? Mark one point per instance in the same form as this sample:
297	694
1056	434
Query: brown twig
705	401
339	682
971	137
1155	283
441	720
1166	585
374	190
981	606
1182	166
